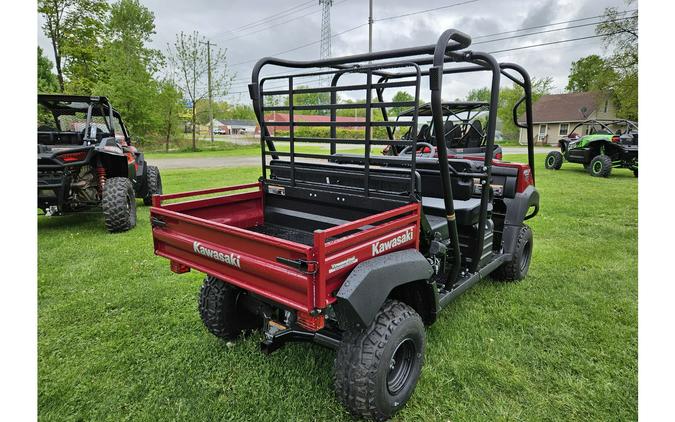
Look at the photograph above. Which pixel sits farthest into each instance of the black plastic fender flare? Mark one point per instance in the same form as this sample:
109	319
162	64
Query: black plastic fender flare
516	212
369	284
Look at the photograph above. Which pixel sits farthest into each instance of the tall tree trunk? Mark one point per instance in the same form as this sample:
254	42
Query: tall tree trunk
57	62
194	126
168	129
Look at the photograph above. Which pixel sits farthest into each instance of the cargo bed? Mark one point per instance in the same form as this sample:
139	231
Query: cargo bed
270	246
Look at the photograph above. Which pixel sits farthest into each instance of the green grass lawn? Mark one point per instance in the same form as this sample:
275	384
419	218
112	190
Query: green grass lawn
231	150
120	338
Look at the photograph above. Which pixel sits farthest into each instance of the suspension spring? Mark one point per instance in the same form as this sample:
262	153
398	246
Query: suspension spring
100	171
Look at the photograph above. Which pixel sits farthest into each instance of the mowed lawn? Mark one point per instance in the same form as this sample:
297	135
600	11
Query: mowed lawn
120	338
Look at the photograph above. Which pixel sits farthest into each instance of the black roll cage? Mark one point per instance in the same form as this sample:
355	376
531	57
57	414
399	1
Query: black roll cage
451	47
606	123
96	106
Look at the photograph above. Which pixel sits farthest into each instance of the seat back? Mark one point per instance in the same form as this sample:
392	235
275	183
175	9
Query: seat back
474	137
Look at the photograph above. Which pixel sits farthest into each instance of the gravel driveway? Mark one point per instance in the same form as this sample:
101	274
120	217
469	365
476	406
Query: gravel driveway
254	161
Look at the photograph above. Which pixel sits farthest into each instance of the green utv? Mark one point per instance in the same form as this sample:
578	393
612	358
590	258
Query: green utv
607	144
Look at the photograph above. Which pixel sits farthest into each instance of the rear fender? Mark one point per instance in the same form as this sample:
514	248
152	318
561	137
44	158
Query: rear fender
517	209
371	282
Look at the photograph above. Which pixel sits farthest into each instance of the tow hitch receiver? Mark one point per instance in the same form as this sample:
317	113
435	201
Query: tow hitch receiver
277	335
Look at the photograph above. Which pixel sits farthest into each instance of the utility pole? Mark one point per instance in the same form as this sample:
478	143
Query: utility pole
208	58
370	27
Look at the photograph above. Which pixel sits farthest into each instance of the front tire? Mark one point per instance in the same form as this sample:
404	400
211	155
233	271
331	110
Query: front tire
119	204
377	368
517	268
219	311
601	166
554	160
153	182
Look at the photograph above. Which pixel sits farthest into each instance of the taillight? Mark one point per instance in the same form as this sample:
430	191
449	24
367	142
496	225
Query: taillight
524	179
426	150
616	139
498	156
73	156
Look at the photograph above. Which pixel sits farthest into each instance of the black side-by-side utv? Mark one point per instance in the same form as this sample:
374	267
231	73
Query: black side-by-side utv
86	160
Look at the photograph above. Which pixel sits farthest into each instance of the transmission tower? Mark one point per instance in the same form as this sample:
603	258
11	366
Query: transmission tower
325	32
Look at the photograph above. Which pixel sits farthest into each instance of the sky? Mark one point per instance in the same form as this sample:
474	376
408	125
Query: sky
224	23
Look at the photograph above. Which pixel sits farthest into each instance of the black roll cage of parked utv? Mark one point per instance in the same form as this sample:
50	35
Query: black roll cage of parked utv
444	51
463	112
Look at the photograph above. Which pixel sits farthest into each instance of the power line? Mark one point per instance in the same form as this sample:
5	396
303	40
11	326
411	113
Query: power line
354	28
275	16
245	81
425	11
267	28
509	49
548	24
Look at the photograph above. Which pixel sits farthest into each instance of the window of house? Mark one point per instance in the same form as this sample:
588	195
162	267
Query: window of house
542	131
564	127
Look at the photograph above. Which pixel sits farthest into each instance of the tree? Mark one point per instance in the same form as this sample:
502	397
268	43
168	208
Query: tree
189	57
131	66
590	73
169	108
240	112
620	33
509	96
74	28
47	81
400	96
310	99
478	94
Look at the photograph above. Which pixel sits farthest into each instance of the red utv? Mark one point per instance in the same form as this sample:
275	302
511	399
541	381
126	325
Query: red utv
357	257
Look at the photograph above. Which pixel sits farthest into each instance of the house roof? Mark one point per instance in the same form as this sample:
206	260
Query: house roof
236	122
283	117
564	107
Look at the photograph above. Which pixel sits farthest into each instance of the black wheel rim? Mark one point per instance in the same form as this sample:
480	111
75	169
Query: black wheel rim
597	167
400	366
550	161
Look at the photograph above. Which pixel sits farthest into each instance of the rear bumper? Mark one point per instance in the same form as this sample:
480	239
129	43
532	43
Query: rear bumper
52	189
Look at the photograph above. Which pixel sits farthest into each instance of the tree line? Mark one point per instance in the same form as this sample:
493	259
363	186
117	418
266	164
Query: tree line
102	48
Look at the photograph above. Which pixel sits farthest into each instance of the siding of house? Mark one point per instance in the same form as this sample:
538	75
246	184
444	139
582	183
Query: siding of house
603	109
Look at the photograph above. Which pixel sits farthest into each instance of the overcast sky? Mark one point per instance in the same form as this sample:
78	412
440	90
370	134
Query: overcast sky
220	22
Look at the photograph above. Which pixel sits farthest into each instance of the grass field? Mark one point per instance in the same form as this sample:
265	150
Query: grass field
120	337
253	150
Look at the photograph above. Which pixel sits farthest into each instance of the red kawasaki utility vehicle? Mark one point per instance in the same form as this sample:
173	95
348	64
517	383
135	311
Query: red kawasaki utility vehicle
358	257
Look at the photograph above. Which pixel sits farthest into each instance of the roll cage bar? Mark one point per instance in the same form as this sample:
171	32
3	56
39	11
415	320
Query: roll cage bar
606	123
450	48
473	109
59	105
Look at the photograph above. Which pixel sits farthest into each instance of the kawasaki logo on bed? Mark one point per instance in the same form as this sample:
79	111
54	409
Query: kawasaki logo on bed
380	247
229	259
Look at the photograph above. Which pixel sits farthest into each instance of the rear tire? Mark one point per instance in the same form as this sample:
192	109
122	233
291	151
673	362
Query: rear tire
517	268
153	182
119	204
635	173
377	368
601	166
554	160
219	311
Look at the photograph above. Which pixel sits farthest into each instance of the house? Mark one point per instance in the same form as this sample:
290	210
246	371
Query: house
554	116
283	117
239	127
